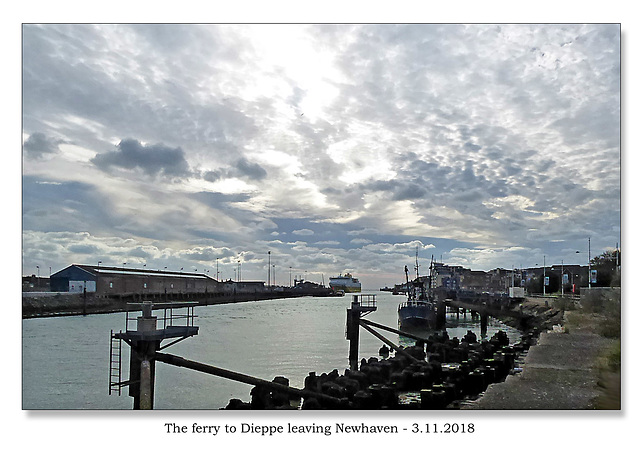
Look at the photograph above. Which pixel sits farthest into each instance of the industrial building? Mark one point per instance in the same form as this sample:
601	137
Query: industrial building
119	280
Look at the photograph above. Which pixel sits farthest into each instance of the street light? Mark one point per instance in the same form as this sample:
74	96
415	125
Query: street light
544	275
589	262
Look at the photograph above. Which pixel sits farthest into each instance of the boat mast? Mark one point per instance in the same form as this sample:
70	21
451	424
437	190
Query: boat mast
431	273
409	289
417	272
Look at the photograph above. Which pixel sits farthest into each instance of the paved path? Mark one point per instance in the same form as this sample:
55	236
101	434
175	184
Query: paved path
558	373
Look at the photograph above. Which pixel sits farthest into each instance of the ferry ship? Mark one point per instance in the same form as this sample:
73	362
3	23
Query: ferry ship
345	283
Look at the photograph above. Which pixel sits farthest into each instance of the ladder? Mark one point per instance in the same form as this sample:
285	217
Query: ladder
115	363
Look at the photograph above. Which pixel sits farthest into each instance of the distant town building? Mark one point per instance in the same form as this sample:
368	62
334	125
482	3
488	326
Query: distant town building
500	280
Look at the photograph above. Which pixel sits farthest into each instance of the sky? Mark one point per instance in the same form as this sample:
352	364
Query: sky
337	148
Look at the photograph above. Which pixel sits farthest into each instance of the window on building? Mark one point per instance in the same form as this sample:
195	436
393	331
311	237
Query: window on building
111	285
145	285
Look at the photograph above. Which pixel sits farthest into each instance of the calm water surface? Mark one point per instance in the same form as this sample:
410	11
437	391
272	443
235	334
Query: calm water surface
66	359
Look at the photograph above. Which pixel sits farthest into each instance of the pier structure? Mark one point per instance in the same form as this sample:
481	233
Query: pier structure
454	370
145	341
482	308
361	305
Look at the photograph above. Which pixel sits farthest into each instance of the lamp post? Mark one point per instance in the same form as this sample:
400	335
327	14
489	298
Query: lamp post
589	262
562	277
544	275
269	269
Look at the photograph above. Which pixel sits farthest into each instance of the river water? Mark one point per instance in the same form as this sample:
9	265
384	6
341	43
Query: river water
66	359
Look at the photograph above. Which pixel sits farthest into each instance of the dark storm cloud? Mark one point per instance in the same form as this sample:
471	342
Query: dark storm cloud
250	169
152	159
38	145
241	168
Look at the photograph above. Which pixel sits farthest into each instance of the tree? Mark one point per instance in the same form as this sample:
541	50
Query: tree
607	266
535	285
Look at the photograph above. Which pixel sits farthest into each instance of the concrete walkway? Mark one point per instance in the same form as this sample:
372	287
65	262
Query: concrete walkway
559	373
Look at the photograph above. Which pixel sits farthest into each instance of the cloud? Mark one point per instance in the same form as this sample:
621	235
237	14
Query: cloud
460	136
249	169
152	159
360	241
303	232
38	145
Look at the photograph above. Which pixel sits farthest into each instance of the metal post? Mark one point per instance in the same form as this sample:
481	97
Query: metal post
589	262
353	335
544	275
441	315
142	362
483	324
242	378
146	391
388	342
562	278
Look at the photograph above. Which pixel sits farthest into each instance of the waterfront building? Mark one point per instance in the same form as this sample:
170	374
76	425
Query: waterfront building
105	280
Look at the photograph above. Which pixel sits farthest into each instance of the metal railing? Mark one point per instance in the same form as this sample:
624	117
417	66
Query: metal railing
365	300
173	314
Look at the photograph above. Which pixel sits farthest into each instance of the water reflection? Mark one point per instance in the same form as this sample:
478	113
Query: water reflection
457	325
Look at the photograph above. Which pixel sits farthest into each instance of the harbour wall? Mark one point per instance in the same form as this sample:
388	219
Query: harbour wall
51	304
